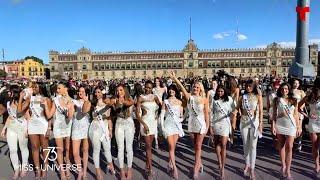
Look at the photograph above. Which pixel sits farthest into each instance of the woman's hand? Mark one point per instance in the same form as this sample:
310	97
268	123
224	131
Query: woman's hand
211	132
146	129
274	132
49	132
110	133
260	129
299	131
3	132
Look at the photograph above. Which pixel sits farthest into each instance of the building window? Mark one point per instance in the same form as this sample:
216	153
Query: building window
204	71
274	62
29	68
133	66
102	73
133	72
169	65
112	66
226	64
164	65
149	66
243	70
22	74
284	70
84	67
123	73
70	68
138	66
52	68
250	70
22	69
97	74
118	66
102	67
231	64
242	64
123	66
284	63
314	62
190	64
200	64
153	66
231	70
257	70
159	65
65	68
154	73
218	64
213	71
144	72
180	65
96	67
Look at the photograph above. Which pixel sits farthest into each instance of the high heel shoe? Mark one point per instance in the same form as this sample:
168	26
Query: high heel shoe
111	170
169	168
283	171
246	172
201	168
16	175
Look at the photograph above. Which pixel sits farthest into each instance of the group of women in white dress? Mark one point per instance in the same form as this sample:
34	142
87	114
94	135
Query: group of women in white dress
74	122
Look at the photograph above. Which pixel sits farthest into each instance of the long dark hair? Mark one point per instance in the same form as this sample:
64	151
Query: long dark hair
175	89
95	99
126	91
225	96
42	88
138	90
313	97
292	100
251	83
15	93
160	81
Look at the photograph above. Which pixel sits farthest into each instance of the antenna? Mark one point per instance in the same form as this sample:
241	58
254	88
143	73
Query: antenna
237	31
190	28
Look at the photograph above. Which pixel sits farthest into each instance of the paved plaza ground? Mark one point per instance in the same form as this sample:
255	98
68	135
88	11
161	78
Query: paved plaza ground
267	165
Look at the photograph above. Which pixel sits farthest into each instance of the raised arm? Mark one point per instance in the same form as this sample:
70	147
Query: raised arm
184	91
22	105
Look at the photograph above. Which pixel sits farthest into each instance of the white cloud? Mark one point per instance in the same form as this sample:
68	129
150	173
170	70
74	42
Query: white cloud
241	37
287	44
80	41
261	46
218	36
222	35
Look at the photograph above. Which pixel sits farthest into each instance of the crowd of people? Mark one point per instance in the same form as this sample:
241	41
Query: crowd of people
83	114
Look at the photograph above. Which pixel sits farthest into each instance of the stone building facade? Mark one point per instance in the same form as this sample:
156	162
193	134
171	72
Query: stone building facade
85	64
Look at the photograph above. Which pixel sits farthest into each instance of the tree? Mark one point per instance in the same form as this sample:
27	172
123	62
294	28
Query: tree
35	59
3	74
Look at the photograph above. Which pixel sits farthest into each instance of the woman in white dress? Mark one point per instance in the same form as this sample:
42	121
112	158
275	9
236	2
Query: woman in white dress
286	125
171	118
100	132
38	125
80	128
198	121
313	100
299	94
124	129
149	104
159	90
221	108
62	110
15	130
250	106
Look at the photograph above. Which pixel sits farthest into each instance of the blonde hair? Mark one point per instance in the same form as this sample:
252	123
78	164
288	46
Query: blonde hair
202	91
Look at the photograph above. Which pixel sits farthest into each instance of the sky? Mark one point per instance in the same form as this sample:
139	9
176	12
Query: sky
33	27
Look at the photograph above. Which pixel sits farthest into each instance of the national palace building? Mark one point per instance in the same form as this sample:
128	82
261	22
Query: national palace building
190	61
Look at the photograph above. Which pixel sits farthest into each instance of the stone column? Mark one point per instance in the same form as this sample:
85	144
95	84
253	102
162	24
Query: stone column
302	67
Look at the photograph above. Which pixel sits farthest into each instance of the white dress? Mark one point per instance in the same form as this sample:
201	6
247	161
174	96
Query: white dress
17	125
220	120
38	124
172	123
149	118
196	121
314	118
285	125
61	128
99	127
80	127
